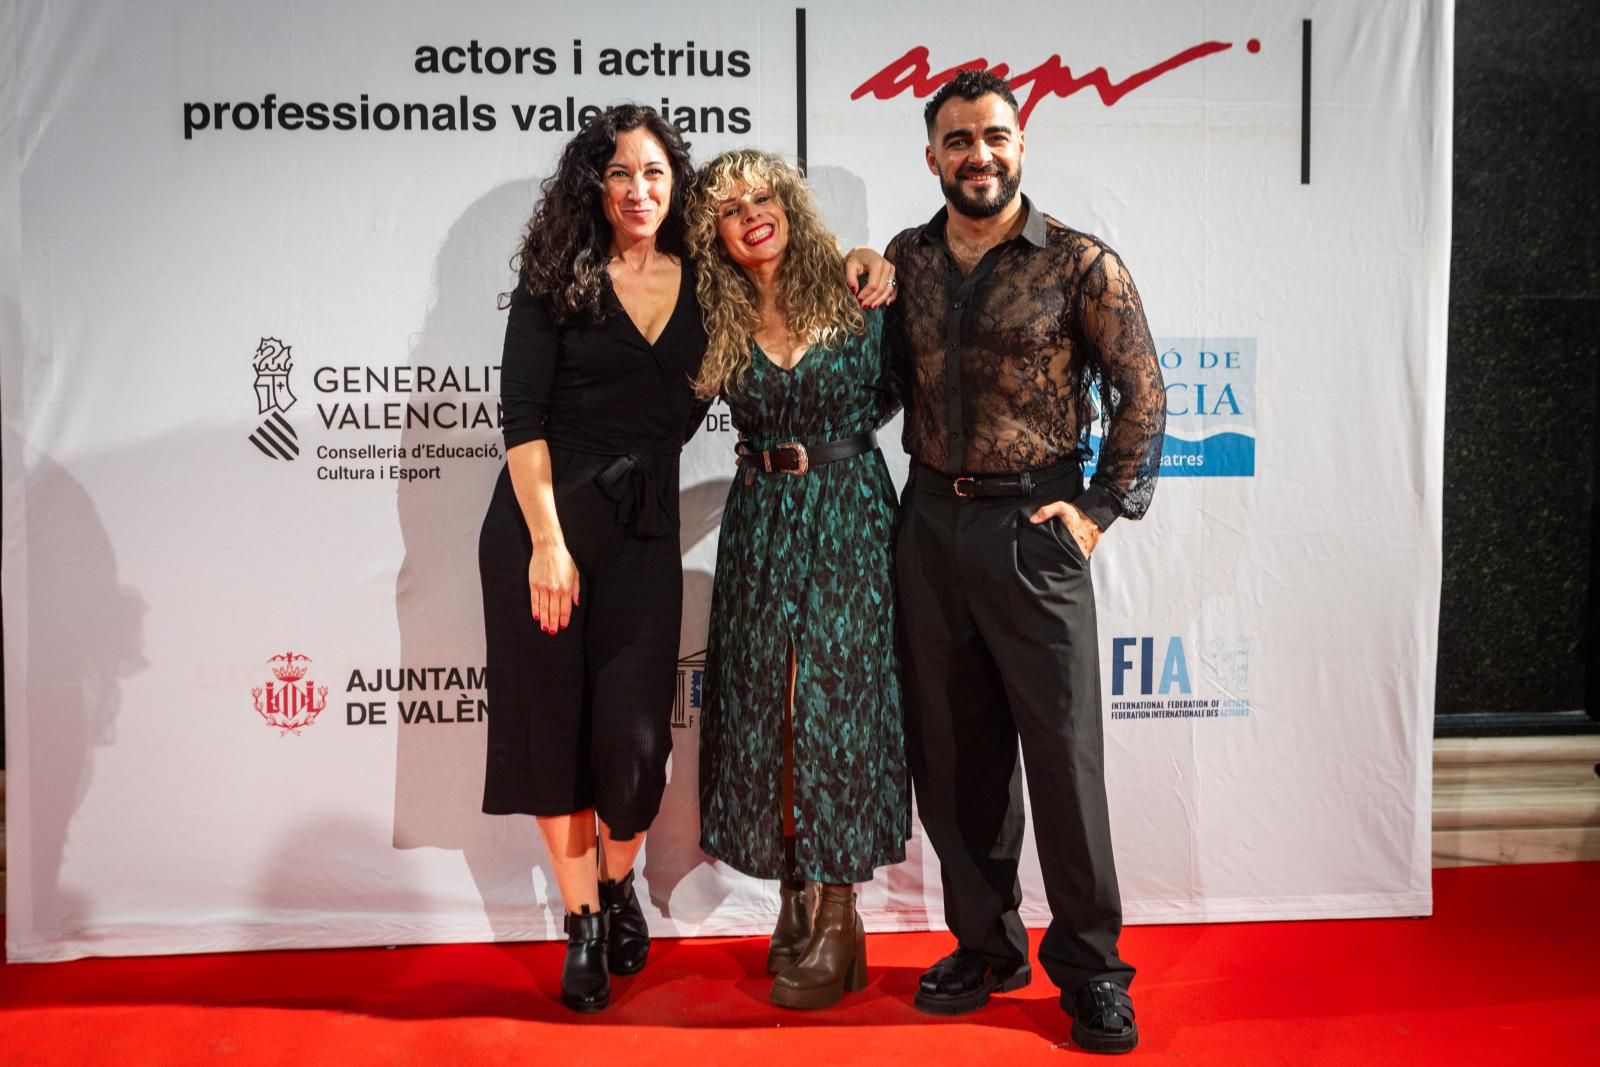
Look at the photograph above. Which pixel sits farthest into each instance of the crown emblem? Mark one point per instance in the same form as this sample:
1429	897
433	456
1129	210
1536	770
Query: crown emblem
272	357
289	666
285	704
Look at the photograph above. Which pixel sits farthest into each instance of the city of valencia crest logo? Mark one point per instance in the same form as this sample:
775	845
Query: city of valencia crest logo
290	701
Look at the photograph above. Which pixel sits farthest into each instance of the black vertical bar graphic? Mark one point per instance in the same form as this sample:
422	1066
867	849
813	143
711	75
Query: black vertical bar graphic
1305	102
800	84
1590	643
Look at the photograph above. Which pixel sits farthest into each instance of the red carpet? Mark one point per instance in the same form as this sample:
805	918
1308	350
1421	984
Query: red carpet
1506	972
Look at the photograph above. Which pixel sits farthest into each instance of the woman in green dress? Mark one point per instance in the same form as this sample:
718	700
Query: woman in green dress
802	752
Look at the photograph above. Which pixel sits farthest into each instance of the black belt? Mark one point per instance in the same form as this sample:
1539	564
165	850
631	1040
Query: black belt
1022	484
794	457
639	498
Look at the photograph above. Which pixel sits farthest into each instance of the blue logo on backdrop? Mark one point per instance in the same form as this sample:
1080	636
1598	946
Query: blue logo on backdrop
1164	678
1129	652
1211	407
691	687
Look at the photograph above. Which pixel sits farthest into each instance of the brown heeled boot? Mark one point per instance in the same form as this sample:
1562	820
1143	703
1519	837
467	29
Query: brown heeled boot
793	932
835	960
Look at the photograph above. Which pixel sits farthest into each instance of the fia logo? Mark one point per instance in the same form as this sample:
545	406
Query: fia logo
274	437
291	702
1174	666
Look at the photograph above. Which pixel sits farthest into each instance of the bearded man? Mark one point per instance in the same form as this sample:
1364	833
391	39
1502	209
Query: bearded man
1007	322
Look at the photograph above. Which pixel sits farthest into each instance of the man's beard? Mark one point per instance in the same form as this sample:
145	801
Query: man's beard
1005	190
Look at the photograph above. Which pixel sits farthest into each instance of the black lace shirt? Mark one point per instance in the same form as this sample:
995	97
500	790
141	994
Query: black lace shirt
998	365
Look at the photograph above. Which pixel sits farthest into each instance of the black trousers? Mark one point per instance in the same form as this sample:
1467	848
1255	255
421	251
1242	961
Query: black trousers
1000	648
582	718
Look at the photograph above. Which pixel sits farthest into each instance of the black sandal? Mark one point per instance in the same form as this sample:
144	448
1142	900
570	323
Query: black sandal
962	982
1102	1018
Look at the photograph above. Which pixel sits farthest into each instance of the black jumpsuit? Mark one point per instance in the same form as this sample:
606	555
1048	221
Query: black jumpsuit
582	718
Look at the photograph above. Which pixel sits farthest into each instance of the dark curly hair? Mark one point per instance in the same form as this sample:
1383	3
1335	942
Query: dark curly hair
970	84
567	243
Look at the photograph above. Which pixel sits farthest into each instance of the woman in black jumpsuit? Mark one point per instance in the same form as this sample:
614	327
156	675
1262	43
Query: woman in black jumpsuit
579	554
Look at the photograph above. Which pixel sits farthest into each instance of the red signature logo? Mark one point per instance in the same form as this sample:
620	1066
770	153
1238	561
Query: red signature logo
1051	78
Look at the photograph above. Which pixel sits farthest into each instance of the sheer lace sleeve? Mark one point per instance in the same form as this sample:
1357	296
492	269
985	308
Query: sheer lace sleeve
1122	356
896	368
880	364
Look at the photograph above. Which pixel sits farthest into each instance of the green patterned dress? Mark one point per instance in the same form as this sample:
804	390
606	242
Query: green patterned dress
807	559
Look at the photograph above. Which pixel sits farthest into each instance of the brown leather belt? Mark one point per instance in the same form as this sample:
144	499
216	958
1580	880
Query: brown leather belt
795	457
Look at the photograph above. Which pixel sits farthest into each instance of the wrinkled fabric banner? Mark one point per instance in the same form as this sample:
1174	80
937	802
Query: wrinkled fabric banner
248	274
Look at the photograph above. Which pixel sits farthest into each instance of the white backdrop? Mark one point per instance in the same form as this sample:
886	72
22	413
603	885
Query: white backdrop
244	692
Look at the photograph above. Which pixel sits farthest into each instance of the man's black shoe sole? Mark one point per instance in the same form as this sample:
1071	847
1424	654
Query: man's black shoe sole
1091	1041
960	1004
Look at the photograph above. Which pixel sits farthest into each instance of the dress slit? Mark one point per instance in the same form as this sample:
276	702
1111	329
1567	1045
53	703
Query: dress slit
802	768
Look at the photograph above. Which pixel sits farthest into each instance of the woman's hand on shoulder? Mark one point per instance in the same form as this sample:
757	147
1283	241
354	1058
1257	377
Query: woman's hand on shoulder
878	288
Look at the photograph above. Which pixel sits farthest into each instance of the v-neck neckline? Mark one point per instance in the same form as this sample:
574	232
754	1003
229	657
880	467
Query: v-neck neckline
805	357
677	302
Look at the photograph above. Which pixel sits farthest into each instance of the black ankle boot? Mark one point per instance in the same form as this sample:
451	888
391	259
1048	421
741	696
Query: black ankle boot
629	936
585	985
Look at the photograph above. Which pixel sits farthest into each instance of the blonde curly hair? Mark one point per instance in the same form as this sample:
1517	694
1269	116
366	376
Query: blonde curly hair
811	292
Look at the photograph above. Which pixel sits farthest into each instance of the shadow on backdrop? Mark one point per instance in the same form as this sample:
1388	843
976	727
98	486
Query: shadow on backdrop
439	764
84	639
